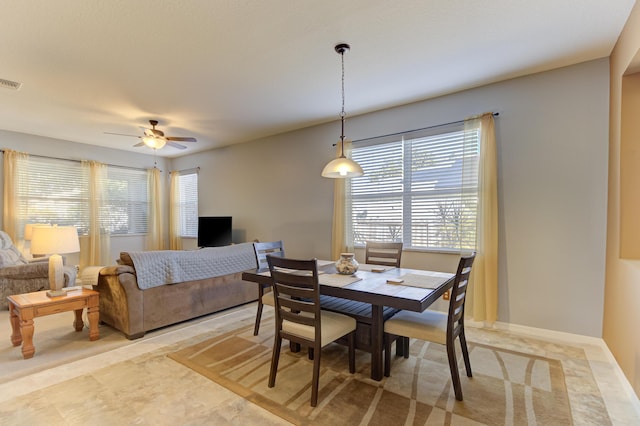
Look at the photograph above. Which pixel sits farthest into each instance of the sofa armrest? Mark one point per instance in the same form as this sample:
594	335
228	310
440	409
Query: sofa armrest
116	270
121	301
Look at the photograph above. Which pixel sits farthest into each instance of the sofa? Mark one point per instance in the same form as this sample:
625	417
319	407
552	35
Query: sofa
19	275
153	289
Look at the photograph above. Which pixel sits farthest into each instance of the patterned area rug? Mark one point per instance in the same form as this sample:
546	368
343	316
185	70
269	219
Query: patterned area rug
507	387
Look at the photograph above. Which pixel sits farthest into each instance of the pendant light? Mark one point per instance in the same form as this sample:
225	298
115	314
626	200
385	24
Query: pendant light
342	167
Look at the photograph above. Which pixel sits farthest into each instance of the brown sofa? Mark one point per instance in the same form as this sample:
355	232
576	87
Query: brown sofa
133	310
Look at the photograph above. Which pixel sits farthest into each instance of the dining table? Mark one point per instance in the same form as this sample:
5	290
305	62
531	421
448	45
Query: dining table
376	289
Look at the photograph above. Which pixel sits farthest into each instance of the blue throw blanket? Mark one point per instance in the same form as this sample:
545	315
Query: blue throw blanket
156	268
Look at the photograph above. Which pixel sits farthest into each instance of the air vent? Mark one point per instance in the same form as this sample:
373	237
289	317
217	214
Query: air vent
8	84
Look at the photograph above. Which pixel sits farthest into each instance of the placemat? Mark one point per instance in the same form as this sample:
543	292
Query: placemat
422	281
337	280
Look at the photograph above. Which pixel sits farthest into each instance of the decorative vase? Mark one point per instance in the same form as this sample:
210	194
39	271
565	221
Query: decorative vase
347	264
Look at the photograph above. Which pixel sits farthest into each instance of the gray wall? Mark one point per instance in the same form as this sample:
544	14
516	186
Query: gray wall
552	136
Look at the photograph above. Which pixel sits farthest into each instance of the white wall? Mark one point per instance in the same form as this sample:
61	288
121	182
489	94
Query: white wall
38	145
552	136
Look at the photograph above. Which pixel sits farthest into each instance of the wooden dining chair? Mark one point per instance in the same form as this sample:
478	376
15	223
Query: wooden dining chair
265	296
436	327
299	318
383	253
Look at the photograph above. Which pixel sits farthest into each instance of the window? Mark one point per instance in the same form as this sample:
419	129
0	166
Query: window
188	190
52	191
56	191
127	203
420	188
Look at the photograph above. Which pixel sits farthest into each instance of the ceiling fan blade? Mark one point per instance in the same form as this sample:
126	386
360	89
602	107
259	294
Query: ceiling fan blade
120	134
181	139
176	145
139	144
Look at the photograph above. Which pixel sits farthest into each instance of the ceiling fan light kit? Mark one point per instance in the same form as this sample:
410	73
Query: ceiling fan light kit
342	167
155	139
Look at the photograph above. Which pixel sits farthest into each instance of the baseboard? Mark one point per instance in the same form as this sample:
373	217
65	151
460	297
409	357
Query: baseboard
539	332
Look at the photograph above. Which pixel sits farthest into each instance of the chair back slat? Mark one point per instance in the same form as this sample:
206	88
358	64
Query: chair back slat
296	292
274	248
301	292
455	321
383	253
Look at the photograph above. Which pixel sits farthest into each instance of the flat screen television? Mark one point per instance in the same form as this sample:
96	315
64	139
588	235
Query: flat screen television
214	231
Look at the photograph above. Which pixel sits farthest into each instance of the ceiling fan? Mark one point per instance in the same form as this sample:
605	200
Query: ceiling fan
154	138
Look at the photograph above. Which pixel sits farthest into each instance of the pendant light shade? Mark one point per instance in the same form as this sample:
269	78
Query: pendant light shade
342	167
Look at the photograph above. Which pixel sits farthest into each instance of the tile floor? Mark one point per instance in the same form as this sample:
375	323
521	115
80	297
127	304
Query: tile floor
133	382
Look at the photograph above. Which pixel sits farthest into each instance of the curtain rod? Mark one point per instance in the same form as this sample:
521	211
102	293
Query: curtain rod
495	114
191	170
80	161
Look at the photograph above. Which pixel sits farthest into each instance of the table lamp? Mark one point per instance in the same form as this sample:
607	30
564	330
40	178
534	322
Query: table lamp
28	234
53	241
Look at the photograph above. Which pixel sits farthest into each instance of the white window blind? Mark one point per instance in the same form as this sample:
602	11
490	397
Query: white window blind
56	191
420	188
188	183
127	202
52	191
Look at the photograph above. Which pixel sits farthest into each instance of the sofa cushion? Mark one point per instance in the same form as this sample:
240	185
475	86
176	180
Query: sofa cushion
125	259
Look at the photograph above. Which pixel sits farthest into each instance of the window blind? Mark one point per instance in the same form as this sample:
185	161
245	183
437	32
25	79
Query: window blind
188	184
52	191
127	203
56	191
420	188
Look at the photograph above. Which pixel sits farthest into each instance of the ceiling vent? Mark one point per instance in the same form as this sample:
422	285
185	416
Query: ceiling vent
8	84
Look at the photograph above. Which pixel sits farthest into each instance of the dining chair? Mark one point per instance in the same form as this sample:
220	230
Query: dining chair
383	253
434	326
275	248
299	318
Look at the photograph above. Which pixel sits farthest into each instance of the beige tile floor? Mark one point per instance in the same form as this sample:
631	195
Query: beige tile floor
113	381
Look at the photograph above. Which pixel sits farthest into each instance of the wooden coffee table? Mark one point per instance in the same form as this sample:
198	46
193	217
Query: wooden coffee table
23	308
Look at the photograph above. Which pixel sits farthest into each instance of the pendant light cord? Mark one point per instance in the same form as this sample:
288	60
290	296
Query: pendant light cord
342	113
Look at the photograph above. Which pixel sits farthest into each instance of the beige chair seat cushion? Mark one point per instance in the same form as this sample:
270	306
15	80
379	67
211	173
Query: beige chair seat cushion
334	326
267	299
430	326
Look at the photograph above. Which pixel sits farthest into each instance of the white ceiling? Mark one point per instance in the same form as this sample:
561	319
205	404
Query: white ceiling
228	71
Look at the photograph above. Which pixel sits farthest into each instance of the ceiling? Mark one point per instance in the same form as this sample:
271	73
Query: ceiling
229	71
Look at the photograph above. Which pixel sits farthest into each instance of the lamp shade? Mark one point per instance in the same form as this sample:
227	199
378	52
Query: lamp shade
342	167
154	142
54	240
28	229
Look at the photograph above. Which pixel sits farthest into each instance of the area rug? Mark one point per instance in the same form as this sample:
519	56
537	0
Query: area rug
507	387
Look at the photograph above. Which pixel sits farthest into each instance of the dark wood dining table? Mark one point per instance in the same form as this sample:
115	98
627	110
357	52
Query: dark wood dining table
373	289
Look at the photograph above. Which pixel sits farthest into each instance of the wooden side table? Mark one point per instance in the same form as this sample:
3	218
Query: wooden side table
23	308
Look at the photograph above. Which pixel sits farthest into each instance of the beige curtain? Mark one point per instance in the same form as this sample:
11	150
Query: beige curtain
175	240
12	161
96	247
341	232
482	298
155	234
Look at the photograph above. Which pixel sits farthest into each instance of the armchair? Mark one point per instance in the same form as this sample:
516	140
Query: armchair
18	275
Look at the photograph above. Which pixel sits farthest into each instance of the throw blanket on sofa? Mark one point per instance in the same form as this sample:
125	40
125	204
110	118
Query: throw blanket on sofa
156	268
